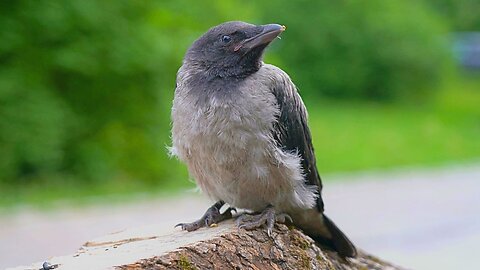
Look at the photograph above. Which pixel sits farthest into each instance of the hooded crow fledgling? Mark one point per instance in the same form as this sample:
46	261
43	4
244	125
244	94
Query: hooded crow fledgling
241	127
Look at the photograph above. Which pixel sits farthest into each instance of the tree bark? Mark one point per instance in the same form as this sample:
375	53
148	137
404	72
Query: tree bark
221	247
288	248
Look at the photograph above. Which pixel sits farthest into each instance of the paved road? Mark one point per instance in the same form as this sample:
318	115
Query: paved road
420	219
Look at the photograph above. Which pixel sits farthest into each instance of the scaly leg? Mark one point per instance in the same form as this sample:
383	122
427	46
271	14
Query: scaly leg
211	216
267	217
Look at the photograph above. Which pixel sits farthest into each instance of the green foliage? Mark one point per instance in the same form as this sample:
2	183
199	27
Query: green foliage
359	136
461	15
79	88
358	49
32	126
86	86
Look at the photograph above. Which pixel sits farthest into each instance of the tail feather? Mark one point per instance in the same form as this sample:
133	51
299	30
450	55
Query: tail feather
339	240
322	229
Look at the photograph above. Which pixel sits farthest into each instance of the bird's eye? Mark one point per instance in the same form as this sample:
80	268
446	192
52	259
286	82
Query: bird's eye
226	39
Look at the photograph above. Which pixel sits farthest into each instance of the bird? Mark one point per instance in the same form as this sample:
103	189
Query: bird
240	126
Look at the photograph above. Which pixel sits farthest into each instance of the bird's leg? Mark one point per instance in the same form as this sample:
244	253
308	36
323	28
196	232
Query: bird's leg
267	218
211	216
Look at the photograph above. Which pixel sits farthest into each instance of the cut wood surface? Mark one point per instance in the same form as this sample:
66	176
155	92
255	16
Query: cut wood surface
220	247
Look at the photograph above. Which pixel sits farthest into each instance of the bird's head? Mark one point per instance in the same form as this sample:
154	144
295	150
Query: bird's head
232	49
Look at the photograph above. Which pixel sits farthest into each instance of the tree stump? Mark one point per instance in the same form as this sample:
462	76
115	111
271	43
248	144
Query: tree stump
220	247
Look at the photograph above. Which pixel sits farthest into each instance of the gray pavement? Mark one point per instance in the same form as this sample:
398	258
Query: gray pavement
420	219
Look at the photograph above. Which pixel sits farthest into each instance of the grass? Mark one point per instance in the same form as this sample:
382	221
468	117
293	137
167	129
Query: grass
352	137
364	136
348	136
62	192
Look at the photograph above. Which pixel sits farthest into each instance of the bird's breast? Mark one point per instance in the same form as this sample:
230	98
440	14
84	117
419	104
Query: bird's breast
223	122
226	141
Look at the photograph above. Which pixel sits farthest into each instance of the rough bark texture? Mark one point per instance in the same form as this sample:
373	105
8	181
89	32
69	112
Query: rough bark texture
288	248
220	247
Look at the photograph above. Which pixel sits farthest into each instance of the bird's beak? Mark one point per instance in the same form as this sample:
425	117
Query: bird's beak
268	33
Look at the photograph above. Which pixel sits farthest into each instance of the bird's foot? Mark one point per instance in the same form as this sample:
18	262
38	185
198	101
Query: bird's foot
267	218
211	217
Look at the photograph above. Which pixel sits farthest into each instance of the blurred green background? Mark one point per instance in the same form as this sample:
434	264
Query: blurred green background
86	87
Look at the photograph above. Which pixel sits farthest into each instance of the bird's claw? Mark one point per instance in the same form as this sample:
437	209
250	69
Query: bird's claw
212	216
267	218
189	226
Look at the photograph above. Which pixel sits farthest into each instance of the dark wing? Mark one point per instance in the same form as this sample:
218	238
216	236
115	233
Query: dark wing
292	134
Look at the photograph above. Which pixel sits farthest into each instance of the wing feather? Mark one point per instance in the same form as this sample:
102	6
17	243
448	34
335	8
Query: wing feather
291	131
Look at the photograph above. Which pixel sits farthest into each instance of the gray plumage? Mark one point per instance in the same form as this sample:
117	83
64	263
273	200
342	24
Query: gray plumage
241	127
